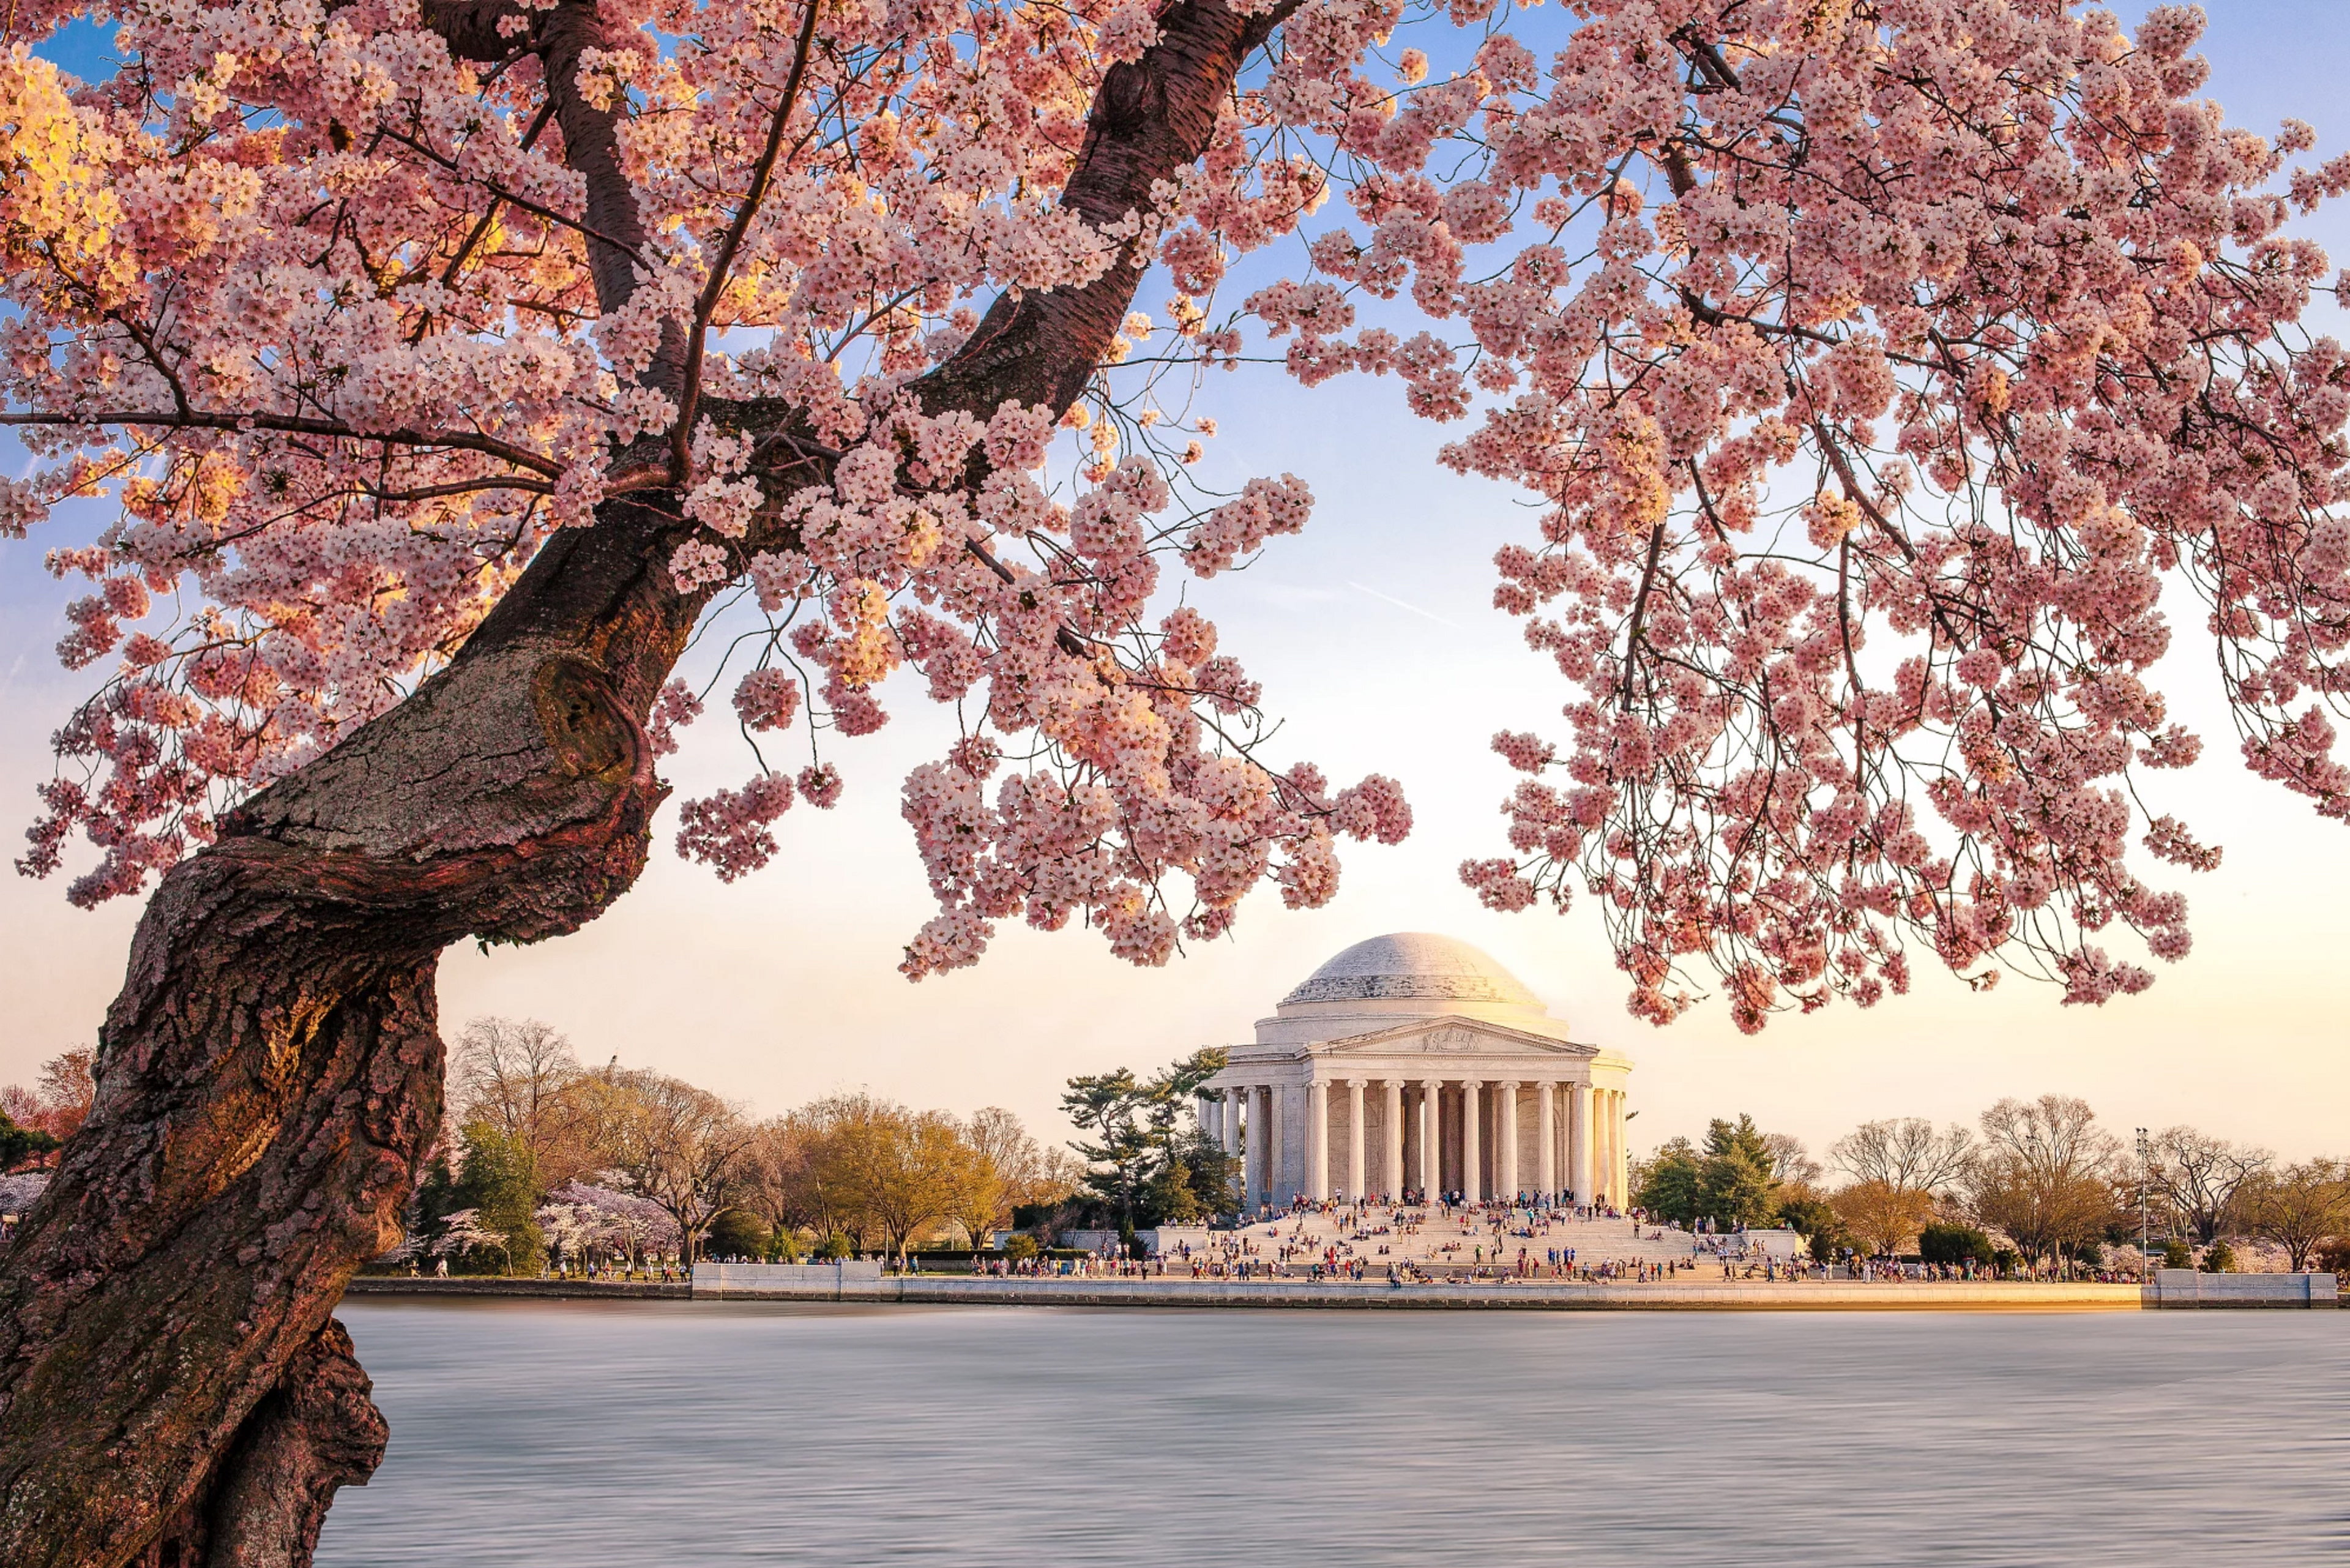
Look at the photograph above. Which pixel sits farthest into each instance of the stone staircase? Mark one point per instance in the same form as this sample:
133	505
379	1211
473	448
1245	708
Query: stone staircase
1425	1244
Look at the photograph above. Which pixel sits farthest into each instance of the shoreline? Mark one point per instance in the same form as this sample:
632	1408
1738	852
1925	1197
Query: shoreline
944	1290
490	1285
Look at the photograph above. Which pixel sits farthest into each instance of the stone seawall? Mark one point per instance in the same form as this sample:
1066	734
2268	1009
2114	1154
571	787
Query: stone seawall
566	1290
866	1282
2188	1288
737	1282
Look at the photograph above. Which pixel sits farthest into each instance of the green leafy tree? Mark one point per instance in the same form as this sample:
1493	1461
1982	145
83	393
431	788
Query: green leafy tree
1815	1220
1193	1182
1115	1108
1148	1161
486	1177
738	1234
499	1182
1672	1183
1941	1242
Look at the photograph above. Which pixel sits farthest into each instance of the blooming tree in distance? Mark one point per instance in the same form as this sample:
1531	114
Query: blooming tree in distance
580	1219
1876	366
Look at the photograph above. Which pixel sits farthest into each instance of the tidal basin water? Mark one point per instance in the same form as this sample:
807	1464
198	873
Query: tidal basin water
647	1435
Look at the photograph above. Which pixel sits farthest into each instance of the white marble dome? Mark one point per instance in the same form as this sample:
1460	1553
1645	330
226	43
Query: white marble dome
1412	966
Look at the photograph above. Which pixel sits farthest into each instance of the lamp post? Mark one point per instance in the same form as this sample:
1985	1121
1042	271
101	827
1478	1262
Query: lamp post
2143	1242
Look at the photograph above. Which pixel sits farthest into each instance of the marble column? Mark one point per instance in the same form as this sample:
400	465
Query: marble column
1506	1153
1610	1130
1472	1184
1602	1161
1391	1171
1317	1141
1616	1148
1623	1168
1250	1132
1354	1140
1232	1120
1546	1140
1260	1138
1605	1104
1280	1181
1429	1089
1578	1141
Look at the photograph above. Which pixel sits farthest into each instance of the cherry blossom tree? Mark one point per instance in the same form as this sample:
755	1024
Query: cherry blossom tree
580	1218
452	362
677	1145
465	1232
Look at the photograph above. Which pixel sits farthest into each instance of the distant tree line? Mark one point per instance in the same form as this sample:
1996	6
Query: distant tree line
543	1159
2037	1182
549	1161
36	1122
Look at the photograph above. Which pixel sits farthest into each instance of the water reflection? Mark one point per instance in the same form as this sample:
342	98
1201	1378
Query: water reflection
670	1433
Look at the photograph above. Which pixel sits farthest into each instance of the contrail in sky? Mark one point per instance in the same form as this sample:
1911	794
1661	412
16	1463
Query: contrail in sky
1399	604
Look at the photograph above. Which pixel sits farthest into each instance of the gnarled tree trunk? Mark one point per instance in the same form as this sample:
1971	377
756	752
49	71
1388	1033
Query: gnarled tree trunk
172	1387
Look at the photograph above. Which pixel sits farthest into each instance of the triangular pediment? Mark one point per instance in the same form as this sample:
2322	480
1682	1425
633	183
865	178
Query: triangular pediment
1451	1035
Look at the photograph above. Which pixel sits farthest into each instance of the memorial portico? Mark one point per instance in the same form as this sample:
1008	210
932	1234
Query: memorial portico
1416	1064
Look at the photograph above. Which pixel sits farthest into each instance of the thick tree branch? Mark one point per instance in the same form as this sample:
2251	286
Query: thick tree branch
722	263
1152	116
591	139
198	419
269	1078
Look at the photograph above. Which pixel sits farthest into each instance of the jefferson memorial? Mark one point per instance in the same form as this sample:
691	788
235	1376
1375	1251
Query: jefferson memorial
1416	1064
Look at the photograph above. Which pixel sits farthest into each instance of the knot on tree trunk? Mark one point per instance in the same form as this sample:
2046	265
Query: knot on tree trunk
509	799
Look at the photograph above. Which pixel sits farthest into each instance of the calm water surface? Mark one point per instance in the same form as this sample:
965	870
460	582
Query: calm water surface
578	1435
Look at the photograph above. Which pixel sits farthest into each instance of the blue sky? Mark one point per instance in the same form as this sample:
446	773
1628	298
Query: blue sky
1374	636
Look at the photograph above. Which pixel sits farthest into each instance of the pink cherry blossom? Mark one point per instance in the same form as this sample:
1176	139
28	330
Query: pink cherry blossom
1863	442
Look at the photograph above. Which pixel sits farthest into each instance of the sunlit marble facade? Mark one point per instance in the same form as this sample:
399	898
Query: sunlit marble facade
1414	1063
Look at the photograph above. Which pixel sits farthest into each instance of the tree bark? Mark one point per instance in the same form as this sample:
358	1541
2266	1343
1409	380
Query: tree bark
316	1431
173	1387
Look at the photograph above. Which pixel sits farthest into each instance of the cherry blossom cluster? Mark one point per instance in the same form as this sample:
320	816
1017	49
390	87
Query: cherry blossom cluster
1141	786
1876	365
325	300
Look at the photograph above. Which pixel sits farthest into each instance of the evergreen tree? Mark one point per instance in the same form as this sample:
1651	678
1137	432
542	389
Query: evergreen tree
1735	1181
1148	1162
1115	1108
19	1144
